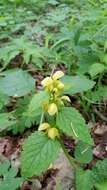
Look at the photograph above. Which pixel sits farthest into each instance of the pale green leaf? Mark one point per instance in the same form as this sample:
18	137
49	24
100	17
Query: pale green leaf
96	69
77	84
16	82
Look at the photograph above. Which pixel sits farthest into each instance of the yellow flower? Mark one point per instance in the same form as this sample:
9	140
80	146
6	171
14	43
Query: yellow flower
57	75
52	109
53	132
43	126
47	82
60	85
65	98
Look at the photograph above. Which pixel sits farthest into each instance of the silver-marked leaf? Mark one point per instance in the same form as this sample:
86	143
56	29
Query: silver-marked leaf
83	152
71	122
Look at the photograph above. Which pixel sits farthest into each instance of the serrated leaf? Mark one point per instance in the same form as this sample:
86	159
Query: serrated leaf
77	84
99	172
83	180
6	120
71	122
83	153
38	153
16	82
8	179
96	69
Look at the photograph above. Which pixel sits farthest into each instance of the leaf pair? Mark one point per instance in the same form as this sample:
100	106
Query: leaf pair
39	151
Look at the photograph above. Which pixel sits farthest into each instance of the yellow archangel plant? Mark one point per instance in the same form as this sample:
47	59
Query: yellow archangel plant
57	118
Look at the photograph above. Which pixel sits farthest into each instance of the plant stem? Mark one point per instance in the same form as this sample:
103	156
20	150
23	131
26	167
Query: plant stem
72	161
59	42
42	116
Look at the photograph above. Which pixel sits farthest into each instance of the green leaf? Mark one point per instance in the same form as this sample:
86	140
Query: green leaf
71	122
6	120
4	99
101	186
99	94
38	153
83	153
96	69
99	172
23	120
83	180
36	103
16	82
77	84
8	179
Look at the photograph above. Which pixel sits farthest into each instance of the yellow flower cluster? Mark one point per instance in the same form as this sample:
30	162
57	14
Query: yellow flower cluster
55	87
51	131
52	83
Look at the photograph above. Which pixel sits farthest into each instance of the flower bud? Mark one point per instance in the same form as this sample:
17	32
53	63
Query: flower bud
57	75
60	85
65	98
60	102
47	82
52	109
43	126
53	132
55	90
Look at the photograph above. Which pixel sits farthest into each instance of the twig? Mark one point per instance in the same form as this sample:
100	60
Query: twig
54	66
100	114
